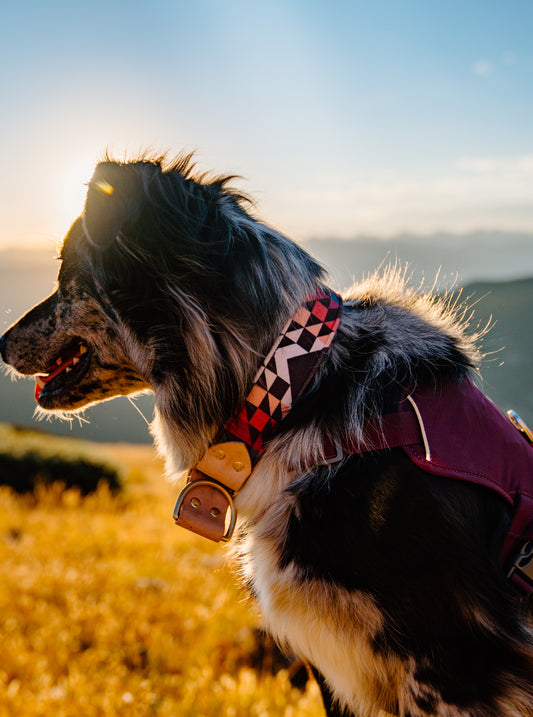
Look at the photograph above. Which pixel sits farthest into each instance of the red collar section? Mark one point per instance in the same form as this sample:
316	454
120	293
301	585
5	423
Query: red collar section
285	373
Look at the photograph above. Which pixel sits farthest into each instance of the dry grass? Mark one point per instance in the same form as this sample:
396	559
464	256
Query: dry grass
108	609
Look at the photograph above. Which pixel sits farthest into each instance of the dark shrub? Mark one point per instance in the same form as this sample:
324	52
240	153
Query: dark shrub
30	458
23	473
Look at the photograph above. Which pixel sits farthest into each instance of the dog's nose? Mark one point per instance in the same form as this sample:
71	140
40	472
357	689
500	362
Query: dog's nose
2	345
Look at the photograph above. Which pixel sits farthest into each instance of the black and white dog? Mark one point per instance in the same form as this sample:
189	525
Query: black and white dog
385	578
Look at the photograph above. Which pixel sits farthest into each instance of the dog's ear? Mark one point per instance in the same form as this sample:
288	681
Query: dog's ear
114	197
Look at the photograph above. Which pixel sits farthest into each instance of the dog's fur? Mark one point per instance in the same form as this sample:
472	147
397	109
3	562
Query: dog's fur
385	579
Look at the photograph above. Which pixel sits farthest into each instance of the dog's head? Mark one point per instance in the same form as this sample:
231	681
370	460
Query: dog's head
166	282
73	342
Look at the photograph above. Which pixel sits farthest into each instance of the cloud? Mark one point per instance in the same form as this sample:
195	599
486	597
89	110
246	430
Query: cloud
475	194
520	164
482	68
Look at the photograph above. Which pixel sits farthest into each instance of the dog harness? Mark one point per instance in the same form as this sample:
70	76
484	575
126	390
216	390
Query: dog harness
454	430
451	430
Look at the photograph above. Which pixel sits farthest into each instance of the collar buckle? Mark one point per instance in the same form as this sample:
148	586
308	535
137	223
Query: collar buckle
333	449
521	571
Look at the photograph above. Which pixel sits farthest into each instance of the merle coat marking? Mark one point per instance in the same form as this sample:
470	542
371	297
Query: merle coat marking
385	579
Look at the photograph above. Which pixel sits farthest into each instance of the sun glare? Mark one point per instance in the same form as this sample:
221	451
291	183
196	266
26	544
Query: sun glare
72	189
105	187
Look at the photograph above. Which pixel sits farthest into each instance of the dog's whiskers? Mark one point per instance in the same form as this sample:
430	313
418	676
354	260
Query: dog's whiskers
136	407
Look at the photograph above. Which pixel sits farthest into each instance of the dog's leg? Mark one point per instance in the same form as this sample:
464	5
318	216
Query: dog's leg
332	709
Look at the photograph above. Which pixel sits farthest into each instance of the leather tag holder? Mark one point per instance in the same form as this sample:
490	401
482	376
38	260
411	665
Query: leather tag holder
228	463
202	507
203	504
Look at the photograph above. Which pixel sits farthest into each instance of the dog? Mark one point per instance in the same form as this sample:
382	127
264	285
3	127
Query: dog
385	577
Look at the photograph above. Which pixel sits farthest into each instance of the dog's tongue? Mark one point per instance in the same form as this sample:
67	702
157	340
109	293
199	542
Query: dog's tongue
42	380
61	365
39	385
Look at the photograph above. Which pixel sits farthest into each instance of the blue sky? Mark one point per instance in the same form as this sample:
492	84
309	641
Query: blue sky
344	118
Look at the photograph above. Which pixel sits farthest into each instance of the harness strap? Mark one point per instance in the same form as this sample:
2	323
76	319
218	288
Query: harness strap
393	430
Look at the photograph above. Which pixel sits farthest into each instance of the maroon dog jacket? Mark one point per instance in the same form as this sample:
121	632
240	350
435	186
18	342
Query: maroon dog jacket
467	437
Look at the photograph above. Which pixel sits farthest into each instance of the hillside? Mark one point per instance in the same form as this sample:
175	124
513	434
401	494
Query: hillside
457	259
507	369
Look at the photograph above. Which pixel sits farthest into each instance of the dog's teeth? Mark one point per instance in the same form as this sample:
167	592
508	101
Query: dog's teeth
83	349
59	361
68	369
75	360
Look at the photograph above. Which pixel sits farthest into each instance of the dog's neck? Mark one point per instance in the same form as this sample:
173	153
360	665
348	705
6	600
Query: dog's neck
282	378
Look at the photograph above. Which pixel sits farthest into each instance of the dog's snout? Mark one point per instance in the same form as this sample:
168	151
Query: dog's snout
4	347
3	342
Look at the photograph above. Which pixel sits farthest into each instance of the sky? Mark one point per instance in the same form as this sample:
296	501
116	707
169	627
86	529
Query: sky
342	118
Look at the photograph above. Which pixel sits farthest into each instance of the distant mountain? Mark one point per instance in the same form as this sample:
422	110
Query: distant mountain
26	278
507	368
457	259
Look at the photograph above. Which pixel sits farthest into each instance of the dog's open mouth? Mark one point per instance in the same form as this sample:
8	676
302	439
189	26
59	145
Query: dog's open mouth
66	370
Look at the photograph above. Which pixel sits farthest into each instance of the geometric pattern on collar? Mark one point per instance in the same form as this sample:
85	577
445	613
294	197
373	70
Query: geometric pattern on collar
286	371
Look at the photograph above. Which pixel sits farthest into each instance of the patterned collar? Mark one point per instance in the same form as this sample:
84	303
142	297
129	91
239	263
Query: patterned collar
286	372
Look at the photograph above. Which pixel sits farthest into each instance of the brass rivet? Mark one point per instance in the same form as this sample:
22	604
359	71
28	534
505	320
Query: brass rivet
238	466
195	502
214	512
219	454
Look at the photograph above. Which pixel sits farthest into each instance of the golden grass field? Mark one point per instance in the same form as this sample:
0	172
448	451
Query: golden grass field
108	609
